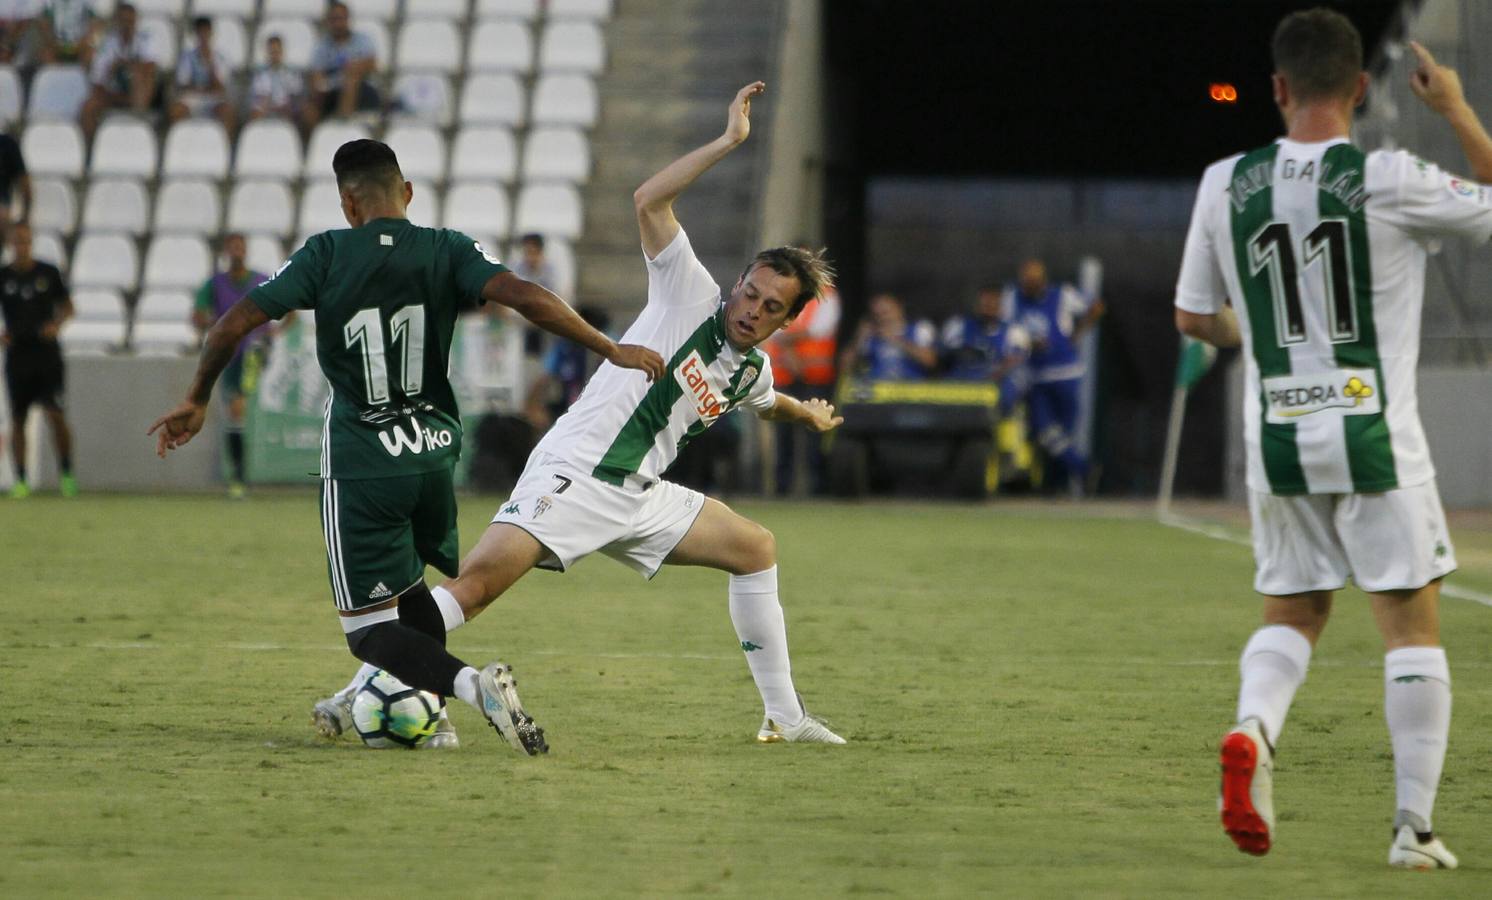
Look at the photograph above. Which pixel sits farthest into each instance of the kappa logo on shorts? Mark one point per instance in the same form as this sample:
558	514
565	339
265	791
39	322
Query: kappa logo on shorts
543	505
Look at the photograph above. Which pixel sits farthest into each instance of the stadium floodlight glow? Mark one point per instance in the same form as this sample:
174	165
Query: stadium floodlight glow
1222	92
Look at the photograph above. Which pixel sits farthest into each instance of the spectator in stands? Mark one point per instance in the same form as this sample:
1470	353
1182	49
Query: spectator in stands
13	180
202	76
276	88
1056	316
15	21
889	348
803	356
65	31
567	367
342	65
34	301
985	346
532	265
216	296
123	72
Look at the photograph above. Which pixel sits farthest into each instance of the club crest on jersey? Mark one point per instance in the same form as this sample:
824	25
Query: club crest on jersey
417	440
694	377
1352	392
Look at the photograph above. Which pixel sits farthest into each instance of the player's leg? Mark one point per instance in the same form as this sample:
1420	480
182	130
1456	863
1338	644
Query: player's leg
1400	551
20	409
1299	563
719	538
50	398
234	406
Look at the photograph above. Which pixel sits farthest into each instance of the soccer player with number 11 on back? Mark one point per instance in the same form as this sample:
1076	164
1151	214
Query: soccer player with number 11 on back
1320	247
386	294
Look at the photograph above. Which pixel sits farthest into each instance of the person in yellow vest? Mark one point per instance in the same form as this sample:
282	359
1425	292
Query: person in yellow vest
803	367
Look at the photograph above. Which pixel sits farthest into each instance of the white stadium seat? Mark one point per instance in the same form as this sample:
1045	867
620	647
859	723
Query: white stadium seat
299	36
487	152
12	95
439	9
230	38
382	10
244	9
177	261
421	150
54	205
124	146
106	260
48	247
268	147
565	100
261	207
571	45
115	204
429	44
161	7
164	306
582	9
478	209
378	33
492	99
425	208
196	147
309	9
163	42
500	45
91	337
265	253
425	96
58	92
188	207
549	209
556	153
98	305
520	9
321	208
53	148
325	140
163	338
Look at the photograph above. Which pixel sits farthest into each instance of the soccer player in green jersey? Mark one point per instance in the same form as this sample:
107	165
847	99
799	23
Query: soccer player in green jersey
594	483
386	294
1320	246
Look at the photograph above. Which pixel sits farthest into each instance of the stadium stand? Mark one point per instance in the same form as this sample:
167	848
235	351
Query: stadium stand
556	153
485	152
188	206
492	99
107	261
500	45
53	148
478	208
261	207
565	100
57	92
56	206
196	147
118	205
124	146
177	261
48	246
12	95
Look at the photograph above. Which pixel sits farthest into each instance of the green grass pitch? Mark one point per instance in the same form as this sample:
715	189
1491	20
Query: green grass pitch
1033	698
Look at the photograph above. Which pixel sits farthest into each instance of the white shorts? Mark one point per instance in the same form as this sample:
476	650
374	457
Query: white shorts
574	514
1391	541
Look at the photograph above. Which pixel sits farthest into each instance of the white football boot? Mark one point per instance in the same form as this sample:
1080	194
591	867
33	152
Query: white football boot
444	737
505	713
809	730
1416	847
1247	801
332	716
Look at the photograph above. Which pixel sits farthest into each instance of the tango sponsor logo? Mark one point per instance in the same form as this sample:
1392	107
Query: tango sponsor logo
694	377
1353	392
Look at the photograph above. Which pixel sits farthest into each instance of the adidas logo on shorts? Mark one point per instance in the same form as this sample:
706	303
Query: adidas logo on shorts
379	592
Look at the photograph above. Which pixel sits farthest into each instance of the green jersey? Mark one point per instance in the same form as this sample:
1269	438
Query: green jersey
385	299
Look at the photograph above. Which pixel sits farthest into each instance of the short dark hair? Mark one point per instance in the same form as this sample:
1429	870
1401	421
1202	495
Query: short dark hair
1319	52
275	39
200	22
365	163
813	271
533	238
335	4
125	7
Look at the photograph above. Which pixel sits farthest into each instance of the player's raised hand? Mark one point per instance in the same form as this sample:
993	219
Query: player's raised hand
738	122
178	426
821	416
633	356
1438	86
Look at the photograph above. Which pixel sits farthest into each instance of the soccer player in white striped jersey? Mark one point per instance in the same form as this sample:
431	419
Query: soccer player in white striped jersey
1320	246
594	483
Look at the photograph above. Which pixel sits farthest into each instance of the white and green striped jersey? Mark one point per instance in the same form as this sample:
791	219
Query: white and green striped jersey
627	431
1321	248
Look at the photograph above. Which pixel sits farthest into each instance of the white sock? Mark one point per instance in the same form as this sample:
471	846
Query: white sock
1272	667
1417	706
466	688
757	615
450	609
364	672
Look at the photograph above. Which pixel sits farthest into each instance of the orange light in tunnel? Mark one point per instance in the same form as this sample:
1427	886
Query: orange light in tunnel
1222	92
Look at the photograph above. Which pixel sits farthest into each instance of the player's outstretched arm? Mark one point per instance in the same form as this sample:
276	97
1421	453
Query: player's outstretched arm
815	415
549	312
1440	89
180	424
654	200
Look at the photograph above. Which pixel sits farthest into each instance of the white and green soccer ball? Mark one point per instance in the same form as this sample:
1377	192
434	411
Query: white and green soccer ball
388	713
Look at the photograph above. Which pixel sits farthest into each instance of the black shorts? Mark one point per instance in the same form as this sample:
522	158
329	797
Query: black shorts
33	376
